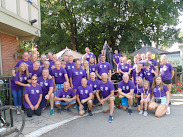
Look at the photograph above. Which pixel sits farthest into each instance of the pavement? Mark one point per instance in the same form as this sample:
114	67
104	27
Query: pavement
39	125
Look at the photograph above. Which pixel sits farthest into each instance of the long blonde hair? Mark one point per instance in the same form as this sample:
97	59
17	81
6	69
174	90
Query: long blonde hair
87	69
26	69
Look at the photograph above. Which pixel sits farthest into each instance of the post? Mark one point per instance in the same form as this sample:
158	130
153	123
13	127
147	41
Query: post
175	77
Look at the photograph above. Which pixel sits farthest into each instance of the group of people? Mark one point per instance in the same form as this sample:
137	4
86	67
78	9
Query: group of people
63	83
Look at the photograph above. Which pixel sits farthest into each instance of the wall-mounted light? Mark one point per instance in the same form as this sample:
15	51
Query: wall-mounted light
33	21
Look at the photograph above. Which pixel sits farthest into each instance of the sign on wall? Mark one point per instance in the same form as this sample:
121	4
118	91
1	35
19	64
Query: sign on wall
174	59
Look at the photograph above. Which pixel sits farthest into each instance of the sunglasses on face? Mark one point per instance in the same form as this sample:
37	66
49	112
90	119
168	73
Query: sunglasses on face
34	79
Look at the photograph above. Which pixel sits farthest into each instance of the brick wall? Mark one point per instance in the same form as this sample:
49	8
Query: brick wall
9	46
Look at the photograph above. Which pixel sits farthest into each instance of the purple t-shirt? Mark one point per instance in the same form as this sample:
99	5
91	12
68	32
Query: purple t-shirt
93	84
157	91
146	91
88	56
29	63
63	94
126	87
103	67
84	92
135	74
148	75
77	75
52	64
124	67
45	84
59	75
92	68
165	71
105	88
23	79
33	94
153	63
41	65
69	67
134	66
116	57
138	89
32	72
143	61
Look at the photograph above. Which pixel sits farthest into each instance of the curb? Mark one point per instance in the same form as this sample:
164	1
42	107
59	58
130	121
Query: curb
48	128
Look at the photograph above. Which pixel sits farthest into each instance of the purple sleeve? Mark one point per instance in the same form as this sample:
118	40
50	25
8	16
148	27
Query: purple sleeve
155	63
96	68
17	76
94	55
40	89
73	93
150	90
51	83
120	85
84	73
98	86
64	71
113	56
58	94
165	88
26	90
18	63
51	72
99	56
135	90
71	73
171	68
109	66
77	92
131	85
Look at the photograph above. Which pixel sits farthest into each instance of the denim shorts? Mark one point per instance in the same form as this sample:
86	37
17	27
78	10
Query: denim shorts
65	103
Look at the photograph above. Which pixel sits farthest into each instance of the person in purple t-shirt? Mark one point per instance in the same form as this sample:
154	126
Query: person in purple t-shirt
85	67
106	88
124	67
103	67
25	59
65	58
167	73
125	90
77	74
160	97
92	82
84	95
143	59
34	58
116	57
70	65
52	63
47	88
50	56
65	97
59	76
33	97
18	82
92	66
43	59
89	54
151	61
102	53
138	72
134	66
35	70
137	91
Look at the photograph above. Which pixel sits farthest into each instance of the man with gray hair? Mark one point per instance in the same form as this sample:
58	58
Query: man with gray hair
65	97
35	70
43	59
125	90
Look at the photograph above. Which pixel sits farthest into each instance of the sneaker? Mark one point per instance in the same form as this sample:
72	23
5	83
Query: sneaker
145	113
130	111
135	105
141	112
59	110
51	112
67	109
90	113
168	111
18	112
110	119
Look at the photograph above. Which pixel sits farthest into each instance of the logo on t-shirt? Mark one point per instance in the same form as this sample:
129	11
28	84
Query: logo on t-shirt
60	74
32	91
46	84
69	67
106	88
81	73
41	84
105	66
101	88
127	87
81	92
95	86
90	85
72	66
37	91
123	87
86	91
76	73
21	79
25	78
100	66
56	75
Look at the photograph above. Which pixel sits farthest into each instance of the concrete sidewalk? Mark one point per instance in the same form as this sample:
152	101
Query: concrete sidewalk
38	125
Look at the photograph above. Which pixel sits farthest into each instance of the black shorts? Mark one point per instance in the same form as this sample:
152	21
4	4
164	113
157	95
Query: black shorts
167	81
138	101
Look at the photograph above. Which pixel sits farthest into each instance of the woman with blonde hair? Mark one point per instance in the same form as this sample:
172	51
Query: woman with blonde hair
160	97
167	73
18	82
85	67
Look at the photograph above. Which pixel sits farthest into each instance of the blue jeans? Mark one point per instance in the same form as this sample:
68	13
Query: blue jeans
17	97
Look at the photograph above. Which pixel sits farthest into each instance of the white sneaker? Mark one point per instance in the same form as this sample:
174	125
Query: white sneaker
168	111
141	112
145	113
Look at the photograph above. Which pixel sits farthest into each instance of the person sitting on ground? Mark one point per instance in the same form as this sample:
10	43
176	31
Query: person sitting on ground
103	67
116	57
47	88
33	97
126	90
65	97
145	97
160	97
137	92
92	65
84	97
92	82
59	76
106	88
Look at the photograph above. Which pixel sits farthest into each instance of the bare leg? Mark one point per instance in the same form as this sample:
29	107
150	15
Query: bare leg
90	103
161	110
153	106
52	100
111	100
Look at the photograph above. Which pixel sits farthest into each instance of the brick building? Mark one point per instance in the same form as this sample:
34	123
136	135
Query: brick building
19	21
